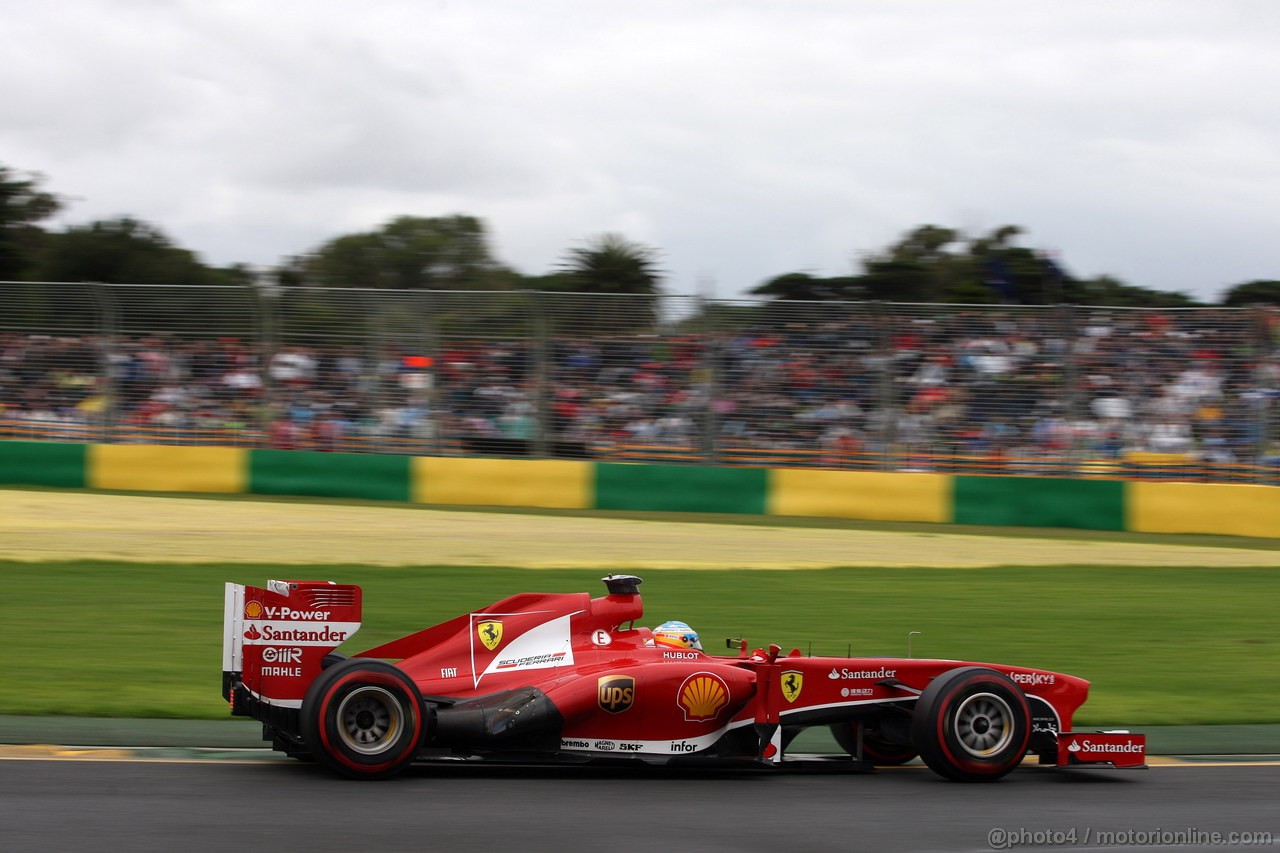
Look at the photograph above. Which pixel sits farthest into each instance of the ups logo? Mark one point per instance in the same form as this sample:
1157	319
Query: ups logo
615	693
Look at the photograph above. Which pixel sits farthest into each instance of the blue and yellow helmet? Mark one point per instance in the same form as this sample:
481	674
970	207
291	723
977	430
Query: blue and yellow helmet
676	635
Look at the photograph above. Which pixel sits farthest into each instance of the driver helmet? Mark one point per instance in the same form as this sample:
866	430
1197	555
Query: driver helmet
676	635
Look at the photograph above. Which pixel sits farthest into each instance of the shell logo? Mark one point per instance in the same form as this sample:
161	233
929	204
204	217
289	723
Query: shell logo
702	696
253	610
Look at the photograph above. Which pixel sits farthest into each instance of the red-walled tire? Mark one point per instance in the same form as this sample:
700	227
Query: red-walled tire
875	748
972	724
364	719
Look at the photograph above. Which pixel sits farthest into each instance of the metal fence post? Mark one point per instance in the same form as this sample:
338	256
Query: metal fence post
711	367
541	353
1262	424
885	389
434	351
106	361
375	334
1071	378
266	332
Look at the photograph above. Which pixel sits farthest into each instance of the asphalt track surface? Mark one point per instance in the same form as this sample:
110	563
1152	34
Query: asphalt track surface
86	805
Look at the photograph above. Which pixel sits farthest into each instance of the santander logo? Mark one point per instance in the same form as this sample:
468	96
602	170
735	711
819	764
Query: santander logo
845	672
1090	746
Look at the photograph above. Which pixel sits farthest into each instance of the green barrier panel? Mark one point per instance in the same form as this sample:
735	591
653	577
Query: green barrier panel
680	488
42	463
331	475
1036	502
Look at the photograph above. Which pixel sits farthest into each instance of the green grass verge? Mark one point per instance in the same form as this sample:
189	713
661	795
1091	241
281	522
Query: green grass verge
1161	645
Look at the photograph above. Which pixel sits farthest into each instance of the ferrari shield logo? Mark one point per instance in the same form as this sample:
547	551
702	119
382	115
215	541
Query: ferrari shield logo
490	633
792	684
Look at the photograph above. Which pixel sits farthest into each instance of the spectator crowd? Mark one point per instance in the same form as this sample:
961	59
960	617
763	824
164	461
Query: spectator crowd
904	387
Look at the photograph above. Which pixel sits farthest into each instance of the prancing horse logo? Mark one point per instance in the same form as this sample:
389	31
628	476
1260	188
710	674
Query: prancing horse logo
490	633
792	683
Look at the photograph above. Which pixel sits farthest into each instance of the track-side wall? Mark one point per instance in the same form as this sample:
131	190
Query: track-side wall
1155	507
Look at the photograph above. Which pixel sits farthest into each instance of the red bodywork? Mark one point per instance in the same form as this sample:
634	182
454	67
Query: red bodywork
592	685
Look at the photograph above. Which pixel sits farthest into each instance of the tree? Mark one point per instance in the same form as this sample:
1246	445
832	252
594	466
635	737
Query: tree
408	253
994	269
606	264
936	264
1106	290
892	280
1004	272
802	286
128	251
1259	292
23	205
420	257
610	263
918	268
121	251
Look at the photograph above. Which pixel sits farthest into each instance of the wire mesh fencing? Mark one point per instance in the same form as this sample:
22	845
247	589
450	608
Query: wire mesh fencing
1073	391
53	364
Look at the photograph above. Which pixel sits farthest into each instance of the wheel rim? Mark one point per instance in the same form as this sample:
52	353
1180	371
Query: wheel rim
984	724
369	719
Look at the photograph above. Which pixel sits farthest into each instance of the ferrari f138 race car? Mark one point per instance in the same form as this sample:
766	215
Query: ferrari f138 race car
567	678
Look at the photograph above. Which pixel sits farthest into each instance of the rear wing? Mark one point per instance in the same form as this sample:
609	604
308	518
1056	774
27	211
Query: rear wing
274	640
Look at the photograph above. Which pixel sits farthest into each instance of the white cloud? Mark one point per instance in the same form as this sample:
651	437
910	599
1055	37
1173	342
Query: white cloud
743	139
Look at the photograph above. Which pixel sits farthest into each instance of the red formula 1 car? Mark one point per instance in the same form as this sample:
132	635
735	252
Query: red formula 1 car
569	678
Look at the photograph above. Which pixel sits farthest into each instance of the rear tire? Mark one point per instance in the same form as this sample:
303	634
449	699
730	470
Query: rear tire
364	719
972	724
875	747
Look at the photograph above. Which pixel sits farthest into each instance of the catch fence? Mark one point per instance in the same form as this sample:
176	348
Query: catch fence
1069	391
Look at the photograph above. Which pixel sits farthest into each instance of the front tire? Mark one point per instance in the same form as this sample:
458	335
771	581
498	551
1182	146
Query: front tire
364	719
972	724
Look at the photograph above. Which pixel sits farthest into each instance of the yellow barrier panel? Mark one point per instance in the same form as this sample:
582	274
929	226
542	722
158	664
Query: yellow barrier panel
867	495
550	483
1230	510
160	468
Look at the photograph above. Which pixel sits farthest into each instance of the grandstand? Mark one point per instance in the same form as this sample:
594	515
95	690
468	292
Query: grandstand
1066	391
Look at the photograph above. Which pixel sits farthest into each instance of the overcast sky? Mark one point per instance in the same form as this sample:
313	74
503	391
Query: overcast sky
740	138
